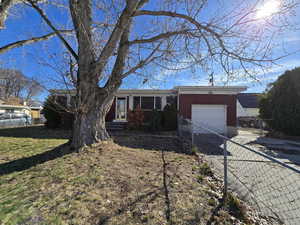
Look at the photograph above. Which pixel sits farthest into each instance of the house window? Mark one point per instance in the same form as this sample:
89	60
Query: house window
147	102
158	103
136	102
61	100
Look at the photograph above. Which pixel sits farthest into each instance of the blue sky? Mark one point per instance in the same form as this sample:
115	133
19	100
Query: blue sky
32	59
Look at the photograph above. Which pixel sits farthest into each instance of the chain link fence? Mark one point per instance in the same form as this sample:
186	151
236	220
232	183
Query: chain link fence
269	183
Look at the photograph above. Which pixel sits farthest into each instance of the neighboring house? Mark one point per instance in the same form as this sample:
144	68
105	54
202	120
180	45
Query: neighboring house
36	109
15	109
212	106
247	105
36	112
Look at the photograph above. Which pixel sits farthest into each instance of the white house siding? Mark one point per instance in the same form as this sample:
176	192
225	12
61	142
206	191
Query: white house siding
245	112
252	111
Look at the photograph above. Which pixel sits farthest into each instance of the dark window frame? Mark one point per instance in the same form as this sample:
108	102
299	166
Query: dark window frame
147	102
156	104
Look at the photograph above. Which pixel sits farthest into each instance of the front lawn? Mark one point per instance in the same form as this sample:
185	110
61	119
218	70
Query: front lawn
42	182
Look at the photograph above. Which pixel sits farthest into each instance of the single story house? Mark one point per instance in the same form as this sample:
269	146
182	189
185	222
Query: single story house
212	106
247	105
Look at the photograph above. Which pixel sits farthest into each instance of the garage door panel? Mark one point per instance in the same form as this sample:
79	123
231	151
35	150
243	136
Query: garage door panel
209	116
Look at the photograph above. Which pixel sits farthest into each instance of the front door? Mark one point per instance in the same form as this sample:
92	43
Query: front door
121	108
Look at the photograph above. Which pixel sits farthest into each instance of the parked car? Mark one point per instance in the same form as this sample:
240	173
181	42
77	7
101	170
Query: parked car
14	119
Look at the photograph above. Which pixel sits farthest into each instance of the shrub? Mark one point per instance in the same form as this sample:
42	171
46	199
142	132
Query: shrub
280	103
205	170
56	115
51	112
211	202
194	150
200	178
155	121
135	118
236	207
170	117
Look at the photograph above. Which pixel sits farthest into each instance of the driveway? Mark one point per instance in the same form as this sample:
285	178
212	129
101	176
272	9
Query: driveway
274	189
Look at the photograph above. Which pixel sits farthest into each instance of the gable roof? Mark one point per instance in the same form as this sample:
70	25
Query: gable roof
248	100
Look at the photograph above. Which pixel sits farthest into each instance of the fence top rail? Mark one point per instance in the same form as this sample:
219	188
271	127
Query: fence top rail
249	149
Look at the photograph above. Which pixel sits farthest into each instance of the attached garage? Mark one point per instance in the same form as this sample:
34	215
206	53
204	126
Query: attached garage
209	116
214	107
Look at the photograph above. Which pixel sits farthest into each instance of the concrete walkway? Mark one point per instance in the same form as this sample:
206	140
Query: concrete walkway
274	189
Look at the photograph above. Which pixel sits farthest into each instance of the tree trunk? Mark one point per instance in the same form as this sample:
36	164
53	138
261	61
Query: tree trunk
88	129
89	124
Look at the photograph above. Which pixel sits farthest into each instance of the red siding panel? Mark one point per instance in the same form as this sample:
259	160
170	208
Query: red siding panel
186	101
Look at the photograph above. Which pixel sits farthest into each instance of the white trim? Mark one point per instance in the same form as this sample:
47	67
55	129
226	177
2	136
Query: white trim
175	91
217	90
130	102
116	111
15	107
146	92
163	102
68	100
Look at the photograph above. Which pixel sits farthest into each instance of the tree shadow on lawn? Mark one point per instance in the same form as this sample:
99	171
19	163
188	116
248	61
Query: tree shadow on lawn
210	144
39	132
150	142
28	162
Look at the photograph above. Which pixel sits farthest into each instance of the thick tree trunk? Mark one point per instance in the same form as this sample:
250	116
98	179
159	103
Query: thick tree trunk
89	124
89	128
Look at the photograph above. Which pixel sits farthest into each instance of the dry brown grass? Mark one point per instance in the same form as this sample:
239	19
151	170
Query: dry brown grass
109	184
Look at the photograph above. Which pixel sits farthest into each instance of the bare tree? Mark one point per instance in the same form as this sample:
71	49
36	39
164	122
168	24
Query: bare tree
15	85
28	41
115	39
31	89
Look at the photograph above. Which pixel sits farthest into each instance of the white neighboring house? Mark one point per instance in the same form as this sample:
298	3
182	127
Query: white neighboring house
16	109
247	105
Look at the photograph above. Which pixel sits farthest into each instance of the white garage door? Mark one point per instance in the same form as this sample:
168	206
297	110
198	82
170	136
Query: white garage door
209	116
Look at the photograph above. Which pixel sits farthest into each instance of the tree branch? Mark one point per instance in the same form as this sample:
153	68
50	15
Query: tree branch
5	5
115	79
201	28
142	63
158	37
48	22
123	21
81	13
17	44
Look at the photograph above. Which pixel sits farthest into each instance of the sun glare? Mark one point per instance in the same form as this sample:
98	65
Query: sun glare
267	9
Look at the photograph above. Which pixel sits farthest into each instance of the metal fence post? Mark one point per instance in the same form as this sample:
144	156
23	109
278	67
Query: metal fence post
225	168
